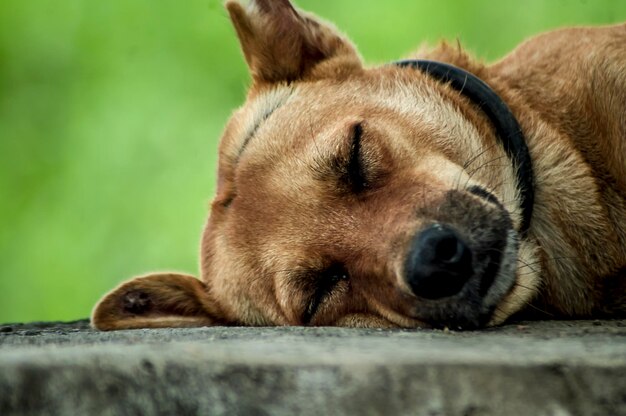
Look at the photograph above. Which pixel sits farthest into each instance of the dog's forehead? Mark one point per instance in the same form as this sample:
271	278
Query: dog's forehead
276	138
283	114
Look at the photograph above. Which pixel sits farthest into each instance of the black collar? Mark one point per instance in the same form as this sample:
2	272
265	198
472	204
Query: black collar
507	128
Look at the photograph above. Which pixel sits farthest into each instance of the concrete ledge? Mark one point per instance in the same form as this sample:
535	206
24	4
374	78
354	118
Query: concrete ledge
541	368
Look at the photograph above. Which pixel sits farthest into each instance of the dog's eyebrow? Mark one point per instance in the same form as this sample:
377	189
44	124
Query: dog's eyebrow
252	131
269	103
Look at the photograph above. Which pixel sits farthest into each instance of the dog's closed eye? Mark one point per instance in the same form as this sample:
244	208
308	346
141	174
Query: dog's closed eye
323	283
350	165
355	174
355	164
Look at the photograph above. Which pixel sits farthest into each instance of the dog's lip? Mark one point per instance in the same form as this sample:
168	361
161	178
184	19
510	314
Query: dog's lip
501	285
506	276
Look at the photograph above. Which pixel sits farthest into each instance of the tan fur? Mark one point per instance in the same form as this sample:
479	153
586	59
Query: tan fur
280	213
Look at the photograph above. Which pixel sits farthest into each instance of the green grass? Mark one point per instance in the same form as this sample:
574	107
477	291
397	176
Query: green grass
110	114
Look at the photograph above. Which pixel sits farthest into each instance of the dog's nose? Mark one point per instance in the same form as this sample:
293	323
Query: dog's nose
439	263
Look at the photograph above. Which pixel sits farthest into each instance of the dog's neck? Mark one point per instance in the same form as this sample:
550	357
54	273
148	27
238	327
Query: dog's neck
504	122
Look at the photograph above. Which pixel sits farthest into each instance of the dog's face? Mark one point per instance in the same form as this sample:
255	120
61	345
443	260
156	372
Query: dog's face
351	196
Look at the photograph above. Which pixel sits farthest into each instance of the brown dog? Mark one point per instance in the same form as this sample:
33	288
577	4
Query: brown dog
391	197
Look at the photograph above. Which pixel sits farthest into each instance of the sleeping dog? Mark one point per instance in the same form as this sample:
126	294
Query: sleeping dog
430	192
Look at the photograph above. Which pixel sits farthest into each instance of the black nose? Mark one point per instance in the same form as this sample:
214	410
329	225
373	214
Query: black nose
439	263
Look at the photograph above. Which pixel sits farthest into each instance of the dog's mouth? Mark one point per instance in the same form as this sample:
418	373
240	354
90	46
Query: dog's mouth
462	262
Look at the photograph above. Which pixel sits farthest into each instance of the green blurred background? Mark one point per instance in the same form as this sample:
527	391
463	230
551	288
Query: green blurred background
110	114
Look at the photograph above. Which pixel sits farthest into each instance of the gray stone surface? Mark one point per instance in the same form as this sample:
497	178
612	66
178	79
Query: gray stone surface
540	368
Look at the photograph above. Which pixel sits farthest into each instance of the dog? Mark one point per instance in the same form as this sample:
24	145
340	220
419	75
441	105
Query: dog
438	193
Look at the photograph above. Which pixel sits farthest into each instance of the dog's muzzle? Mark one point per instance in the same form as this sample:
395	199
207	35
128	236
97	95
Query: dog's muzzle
459	270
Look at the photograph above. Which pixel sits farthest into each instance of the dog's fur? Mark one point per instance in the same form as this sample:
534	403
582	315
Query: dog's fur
330	170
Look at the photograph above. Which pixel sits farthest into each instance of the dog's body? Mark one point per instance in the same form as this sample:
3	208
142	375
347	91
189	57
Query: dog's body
382	197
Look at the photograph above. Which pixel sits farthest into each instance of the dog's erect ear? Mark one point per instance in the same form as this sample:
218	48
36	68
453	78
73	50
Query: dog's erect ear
156	301
282	44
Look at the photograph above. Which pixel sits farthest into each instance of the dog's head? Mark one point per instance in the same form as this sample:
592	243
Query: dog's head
346	196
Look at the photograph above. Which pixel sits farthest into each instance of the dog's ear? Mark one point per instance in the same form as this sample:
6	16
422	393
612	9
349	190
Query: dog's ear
282	44
156	301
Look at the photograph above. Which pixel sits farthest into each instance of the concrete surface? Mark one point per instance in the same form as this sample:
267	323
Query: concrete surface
541	368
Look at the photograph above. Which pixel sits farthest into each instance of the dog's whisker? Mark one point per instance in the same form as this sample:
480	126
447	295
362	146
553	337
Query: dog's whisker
522	286
488	161
498	310
527	265
531	305
472	158
488	164
475	157
550	259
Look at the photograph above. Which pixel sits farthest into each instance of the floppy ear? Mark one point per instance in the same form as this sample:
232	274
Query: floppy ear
281	44
156	301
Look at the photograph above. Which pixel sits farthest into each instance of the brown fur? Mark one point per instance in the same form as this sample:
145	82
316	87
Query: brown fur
283	216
